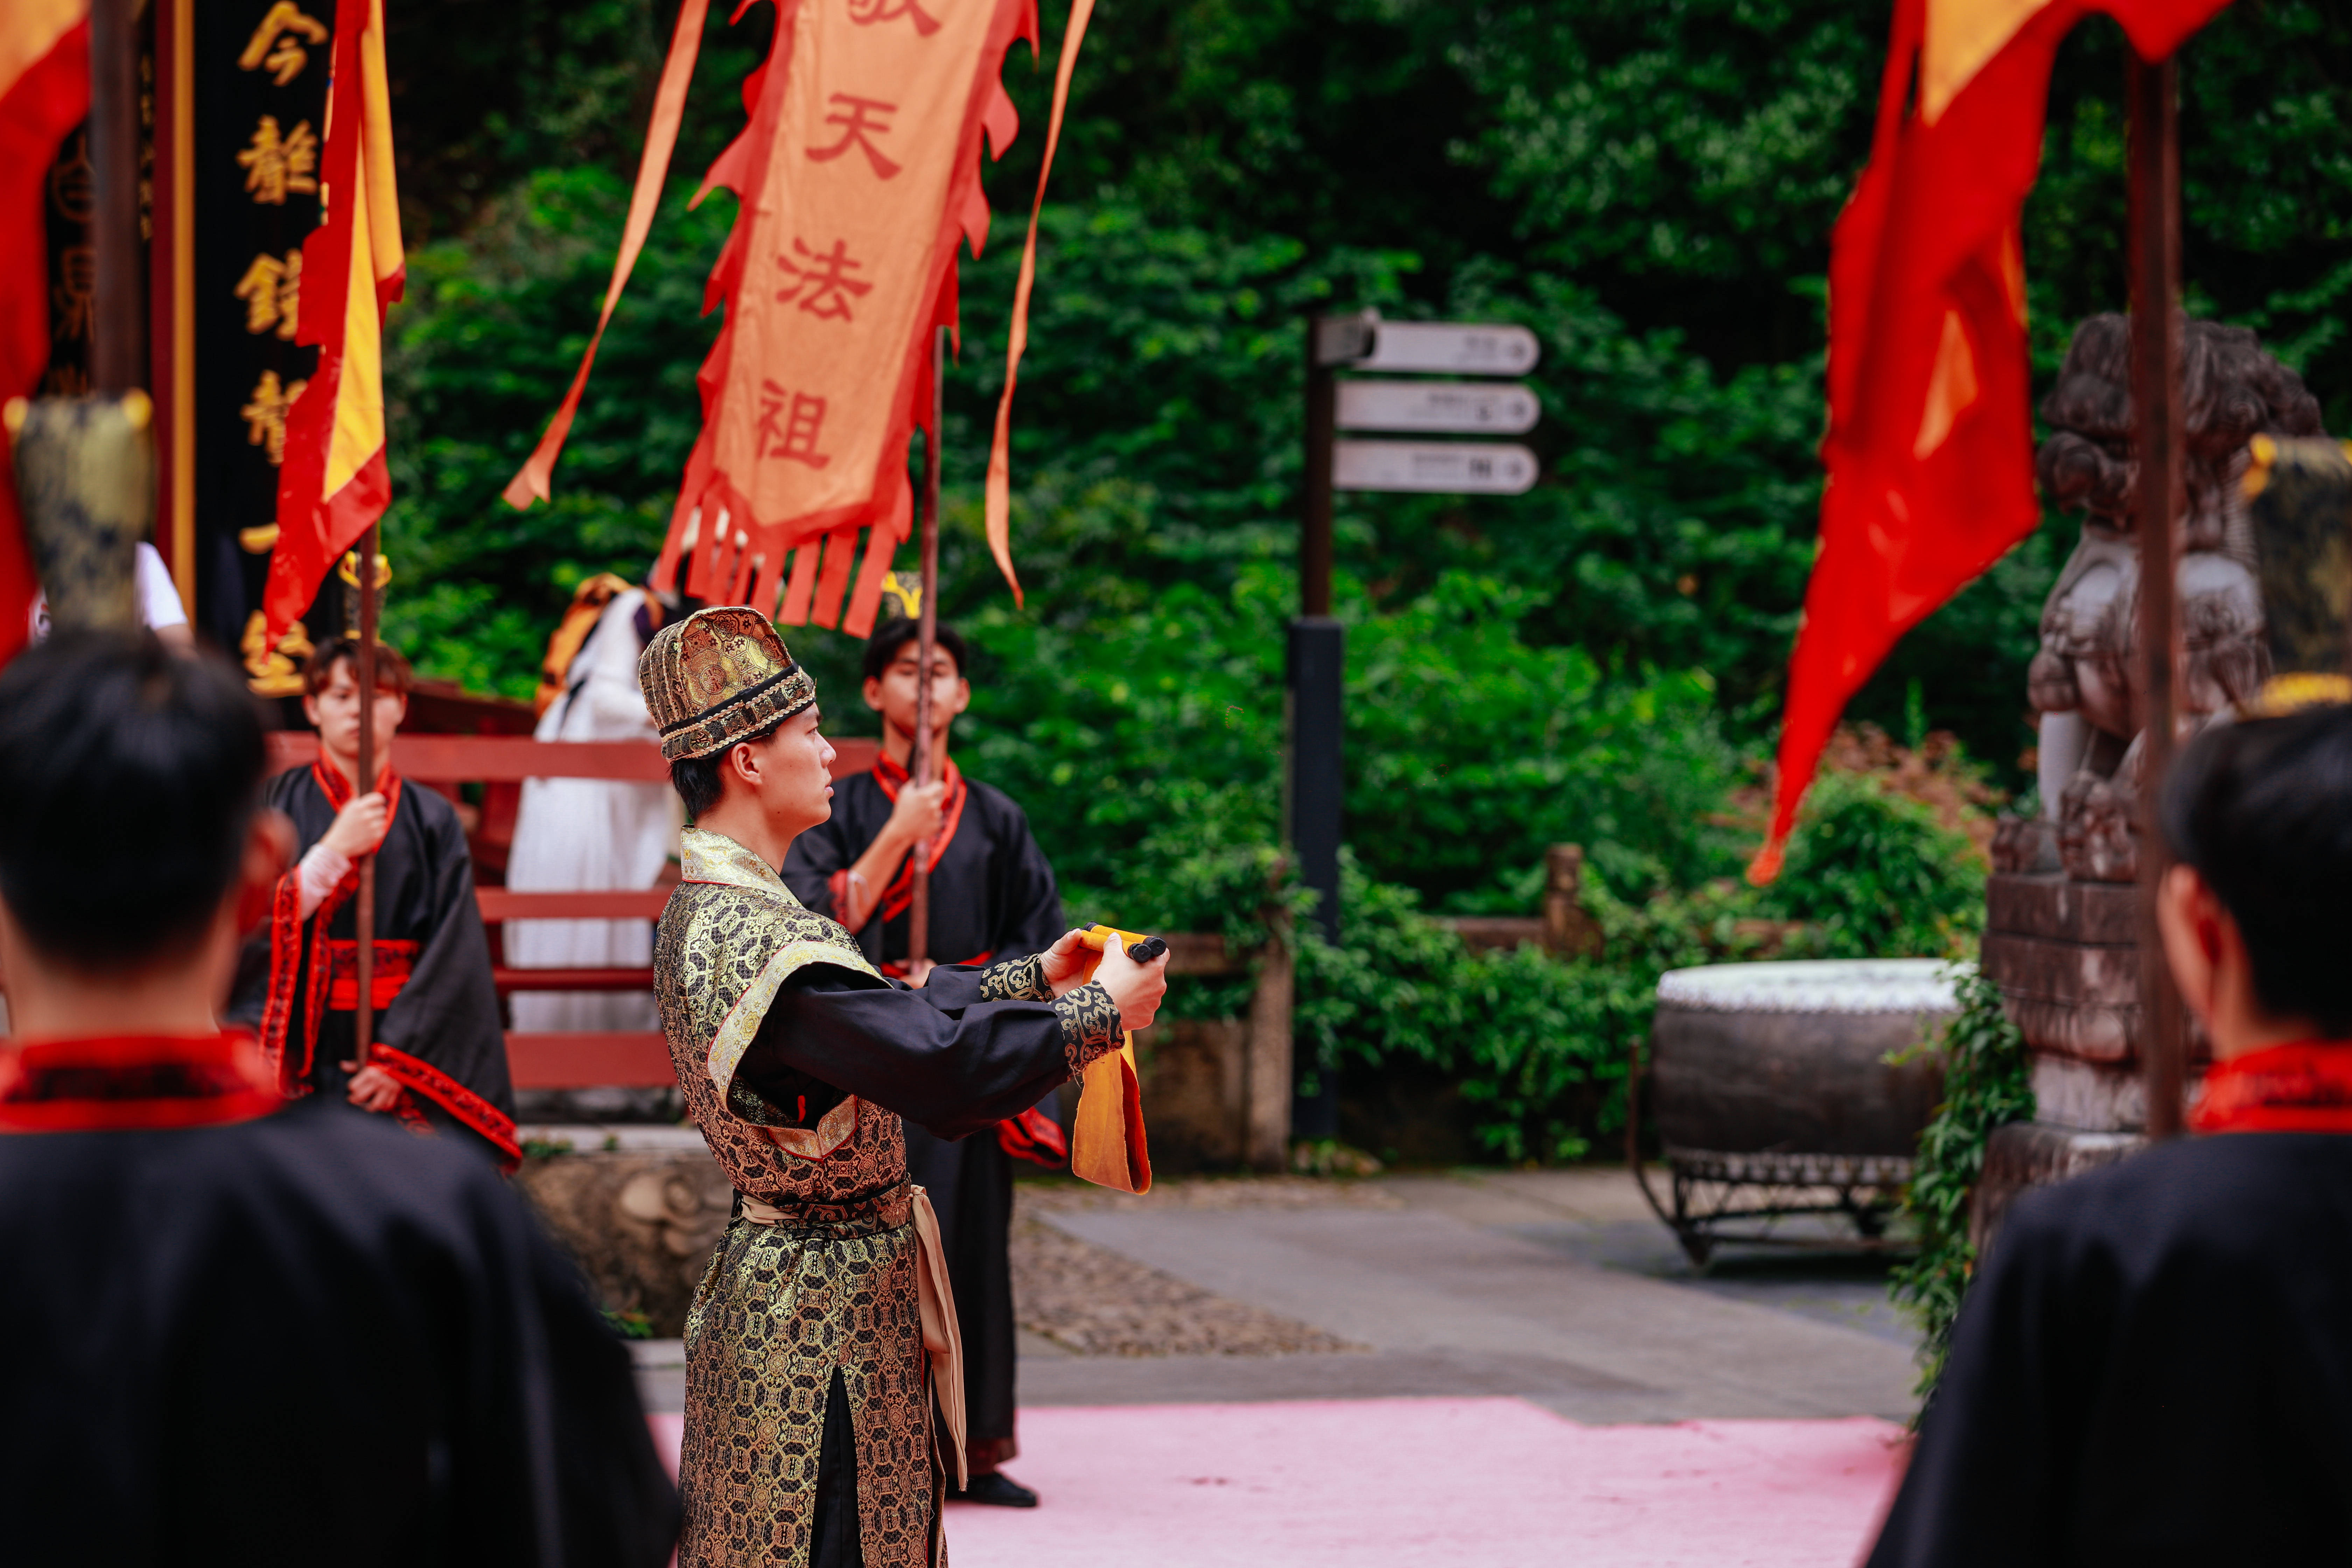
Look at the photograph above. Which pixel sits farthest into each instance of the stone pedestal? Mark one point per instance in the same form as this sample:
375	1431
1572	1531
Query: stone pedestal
2065	953
640	1208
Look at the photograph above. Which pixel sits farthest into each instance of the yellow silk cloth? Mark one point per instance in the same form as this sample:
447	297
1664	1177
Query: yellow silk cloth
1108	1147
942	1341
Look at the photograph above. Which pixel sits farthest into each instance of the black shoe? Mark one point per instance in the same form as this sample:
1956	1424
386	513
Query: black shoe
996	1489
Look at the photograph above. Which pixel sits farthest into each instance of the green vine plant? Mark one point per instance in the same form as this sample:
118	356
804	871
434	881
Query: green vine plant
1986	1083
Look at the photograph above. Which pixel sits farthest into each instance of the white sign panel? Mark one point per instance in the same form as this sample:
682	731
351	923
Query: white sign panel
1462	467
1461	347
1465	406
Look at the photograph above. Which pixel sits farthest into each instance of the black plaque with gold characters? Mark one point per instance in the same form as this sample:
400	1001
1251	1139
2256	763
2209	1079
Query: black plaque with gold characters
260	70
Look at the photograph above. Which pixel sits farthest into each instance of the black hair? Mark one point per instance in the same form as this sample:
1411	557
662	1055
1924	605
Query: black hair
696	779
882	648
129	777
391	672
2262	809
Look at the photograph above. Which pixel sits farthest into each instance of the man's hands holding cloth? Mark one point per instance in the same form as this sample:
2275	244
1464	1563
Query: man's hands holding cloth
1136	987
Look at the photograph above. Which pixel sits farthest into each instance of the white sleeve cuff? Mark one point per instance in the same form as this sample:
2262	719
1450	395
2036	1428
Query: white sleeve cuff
321	868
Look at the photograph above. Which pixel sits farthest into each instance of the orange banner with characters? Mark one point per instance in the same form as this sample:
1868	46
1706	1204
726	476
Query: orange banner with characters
858	174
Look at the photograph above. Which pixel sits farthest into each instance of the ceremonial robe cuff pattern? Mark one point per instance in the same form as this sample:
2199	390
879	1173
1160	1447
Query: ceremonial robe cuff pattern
1016	980
1090	1025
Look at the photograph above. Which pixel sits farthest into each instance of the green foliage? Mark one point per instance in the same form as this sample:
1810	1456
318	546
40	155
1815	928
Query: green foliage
629	1325
1539	1046
1650	188
1986	1083
1877	877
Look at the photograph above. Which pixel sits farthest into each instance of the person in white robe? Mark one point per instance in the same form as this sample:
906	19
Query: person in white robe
574	835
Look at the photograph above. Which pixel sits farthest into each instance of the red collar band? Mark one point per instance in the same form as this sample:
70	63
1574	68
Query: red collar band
130	1081
2302	1086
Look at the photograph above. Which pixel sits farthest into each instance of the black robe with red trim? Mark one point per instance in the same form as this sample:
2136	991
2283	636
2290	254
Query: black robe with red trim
274	1335
992	896
438	1028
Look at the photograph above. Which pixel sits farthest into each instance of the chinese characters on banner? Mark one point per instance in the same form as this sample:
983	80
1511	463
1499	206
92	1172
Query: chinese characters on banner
858	174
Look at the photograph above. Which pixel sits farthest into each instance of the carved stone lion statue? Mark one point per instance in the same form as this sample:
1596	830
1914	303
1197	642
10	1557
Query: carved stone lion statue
2086	682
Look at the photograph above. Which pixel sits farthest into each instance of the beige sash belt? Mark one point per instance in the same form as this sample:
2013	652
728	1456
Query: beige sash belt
942	1341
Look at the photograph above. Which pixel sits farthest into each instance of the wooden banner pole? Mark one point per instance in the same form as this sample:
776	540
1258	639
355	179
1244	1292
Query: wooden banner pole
118	345
364	913
924	763
2150	91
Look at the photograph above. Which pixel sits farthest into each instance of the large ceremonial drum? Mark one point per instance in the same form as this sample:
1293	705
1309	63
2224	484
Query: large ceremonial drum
1793	1075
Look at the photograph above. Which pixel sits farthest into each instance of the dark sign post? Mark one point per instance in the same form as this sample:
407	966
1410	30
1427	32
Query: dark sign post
1314	781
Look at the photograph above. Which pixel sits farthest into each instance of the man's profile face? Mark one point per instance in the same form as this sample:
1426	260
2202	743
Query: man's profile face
335	709
796	787
893	694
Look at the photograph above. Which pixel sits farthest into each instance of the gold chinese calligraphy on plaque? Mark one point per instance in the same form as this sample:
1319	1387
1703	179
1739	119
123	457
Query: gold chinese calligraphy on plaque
272	293
265	416
277	45
278	161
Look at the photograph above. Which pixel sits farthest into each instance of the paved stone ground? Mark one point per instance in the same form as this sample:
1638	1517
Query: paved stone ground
1557	1287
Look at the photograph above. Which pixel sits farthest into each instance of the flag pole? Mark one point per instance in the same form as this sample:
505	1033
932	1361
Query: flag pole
927	620
118	345
363	911
2150	92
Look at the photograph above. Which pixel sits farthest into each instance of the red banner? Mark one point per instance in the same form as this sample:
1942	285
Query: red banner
1930	451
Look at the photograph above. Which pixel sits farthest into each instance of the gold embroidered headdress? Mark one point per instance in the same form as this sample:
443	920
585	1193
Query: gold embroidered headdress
718	677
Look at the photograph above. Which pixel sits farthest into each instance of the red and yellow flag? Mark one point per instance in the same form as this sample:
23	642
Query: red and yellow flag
1931	445
857	175
334	482
44	94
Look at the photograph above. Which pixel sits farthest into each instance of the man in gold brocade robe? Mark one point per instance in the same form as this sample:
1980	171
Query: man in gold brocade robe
824	1328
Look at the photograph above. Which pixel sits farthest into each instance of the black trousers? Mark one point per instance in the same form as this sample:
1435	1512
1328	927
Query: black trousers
834	1540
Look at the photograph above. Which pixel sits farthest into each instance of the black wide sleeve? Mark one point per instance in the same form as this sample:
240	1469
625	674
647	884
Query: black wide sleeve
551	1459
946	1061
1988	1482
447	1014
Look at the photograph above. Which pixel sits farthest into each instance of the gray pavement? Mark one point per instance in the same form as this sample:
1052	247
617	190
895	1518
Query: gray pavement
1493	1284
1555	1287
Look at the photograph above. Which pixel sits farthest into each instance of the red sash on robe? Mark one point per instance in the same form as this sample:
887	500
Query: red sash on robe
2304	1087
333	982
133	1081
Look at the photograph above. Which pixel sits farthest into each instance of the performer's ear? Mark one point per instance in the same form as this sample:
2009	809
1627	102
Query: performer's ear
2191	919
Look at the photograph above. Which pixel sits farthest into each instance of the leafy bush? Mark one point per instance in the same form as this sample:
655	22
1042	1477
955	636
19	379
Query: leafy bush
1877	877
1986	1083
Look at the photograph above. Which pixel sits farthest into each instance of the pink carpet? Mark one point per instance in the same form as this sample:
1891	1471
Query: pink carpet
1385	1483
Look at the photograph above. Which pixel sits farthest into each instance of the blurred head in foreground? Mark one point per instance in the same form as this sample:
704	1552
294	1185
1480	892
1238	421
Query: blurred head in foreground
129	826
2257	913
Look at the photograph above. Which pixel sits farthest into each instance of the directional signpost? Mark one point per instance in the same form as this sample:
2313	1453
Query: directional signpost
1451	468
1313	781
1454	406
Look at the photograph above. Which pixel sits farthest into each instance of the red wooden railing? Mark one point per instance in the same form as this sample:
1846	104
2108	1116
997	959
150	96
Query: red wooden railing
588	1059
